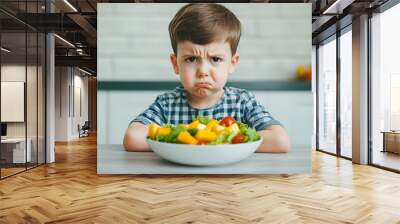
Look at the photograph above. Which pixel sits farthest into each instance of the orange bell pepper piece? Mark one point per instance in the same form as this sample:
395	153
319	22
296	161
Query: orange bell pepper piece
204	135
211	125
152	130
185	137
164	131
194	124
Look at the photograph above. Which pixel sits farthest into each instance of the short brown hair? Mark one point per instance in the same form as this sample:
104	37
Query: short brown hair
203	23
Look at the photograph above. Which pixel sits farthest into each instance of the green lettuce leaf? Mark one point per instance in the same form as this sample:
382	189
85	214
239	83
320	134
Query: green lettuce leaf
171	137
203	120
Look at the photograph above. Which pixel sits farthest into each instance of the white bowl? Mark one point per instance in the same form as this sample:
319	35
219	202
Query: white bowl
203	155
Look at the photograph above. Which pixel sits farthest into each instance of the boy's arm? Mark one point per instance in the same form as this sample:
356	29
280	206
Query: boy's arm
135	138
275	139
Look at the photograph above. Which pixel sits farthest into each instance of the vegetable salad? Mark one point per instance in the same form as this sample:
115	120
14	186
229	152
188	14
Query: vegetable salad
204	131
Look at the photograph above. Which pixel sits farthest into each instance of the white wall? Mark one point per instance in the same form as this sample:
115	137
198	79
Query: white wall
68	82
61	103
134	41
79	117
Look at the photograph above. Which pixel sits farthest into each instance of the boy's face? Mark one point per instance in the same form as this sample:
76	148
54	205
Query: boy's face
204	69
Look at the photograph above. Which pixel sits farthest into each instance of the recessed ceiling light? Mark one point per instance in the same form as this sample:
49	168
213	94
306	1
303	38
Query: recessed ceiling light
64	40
5	50
70	5
337	7
84	71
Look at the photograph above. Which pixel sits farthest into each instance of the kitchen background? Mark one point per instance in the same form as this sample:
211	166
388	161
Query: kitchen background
134	49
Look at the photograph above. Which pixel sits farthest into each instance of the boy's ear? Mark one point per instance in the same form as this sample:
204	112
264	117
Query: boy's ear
234	61
174	62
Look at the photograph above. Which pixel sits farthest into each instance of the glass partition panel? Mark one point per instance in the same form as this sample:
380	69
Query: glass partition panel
327	96
346	94
385	114
14	153
22	61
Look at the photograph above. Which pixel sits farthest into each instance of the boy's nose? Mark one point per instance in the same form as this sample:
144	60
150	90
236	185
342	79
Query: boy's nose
203	69
202	74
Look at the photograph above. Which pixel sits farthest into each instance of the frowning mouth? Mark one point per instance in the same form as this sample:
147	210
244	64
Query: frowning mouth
202	85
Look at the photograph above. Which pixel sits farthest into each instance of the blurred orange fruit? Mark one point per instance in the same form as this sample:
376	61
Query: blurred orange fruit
301	72
308	73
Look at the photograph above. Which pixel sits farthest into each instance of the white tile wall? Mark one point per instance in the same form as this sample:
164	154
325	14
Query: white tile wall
134	44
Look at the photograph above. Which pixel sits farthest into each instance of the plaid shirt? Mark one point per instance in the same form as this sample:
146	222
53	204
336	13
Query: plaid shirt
172	107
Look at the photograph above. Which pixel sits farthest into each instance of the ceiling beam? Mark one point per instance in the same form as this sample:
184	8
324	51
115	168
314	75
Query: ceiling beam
86	27
84	61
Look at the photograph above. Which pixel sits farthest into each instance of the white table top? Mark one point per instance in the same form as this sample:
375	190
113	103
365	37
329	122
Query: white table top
113	159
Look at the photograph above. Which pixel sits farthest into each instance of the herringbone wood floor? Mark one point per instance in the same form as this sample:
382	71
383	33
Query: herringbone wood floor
70	191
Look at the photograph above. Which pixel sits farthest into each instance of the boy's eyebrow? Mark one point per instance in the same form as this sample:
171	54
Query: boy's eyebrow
213	55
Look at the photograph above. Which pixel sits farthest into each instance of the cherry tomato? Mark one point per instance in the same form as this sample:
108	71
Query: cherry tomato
227	121
238	139
202	143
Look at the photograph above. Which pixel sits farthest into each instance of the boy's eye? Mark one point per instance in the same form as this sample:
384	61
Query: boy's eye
216	59
190	59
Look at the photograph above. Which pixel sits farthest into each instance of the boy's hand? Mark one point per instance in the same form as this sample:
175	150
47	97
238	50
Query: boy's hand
275	139
135	138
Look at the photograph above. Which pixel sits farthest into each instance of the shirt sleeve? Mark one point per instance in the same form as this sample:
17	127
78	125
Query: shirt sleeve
256	116
153	114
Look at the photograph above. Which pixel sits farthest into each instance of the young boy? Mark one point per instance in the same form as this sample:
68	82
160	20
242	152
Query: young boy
204	38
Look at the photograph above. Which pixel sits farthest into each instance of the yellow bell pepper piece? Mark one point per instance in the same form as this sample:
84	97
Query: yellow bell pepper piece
152	130
211	125
185	137
194	124
204	135
164	131
233	127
